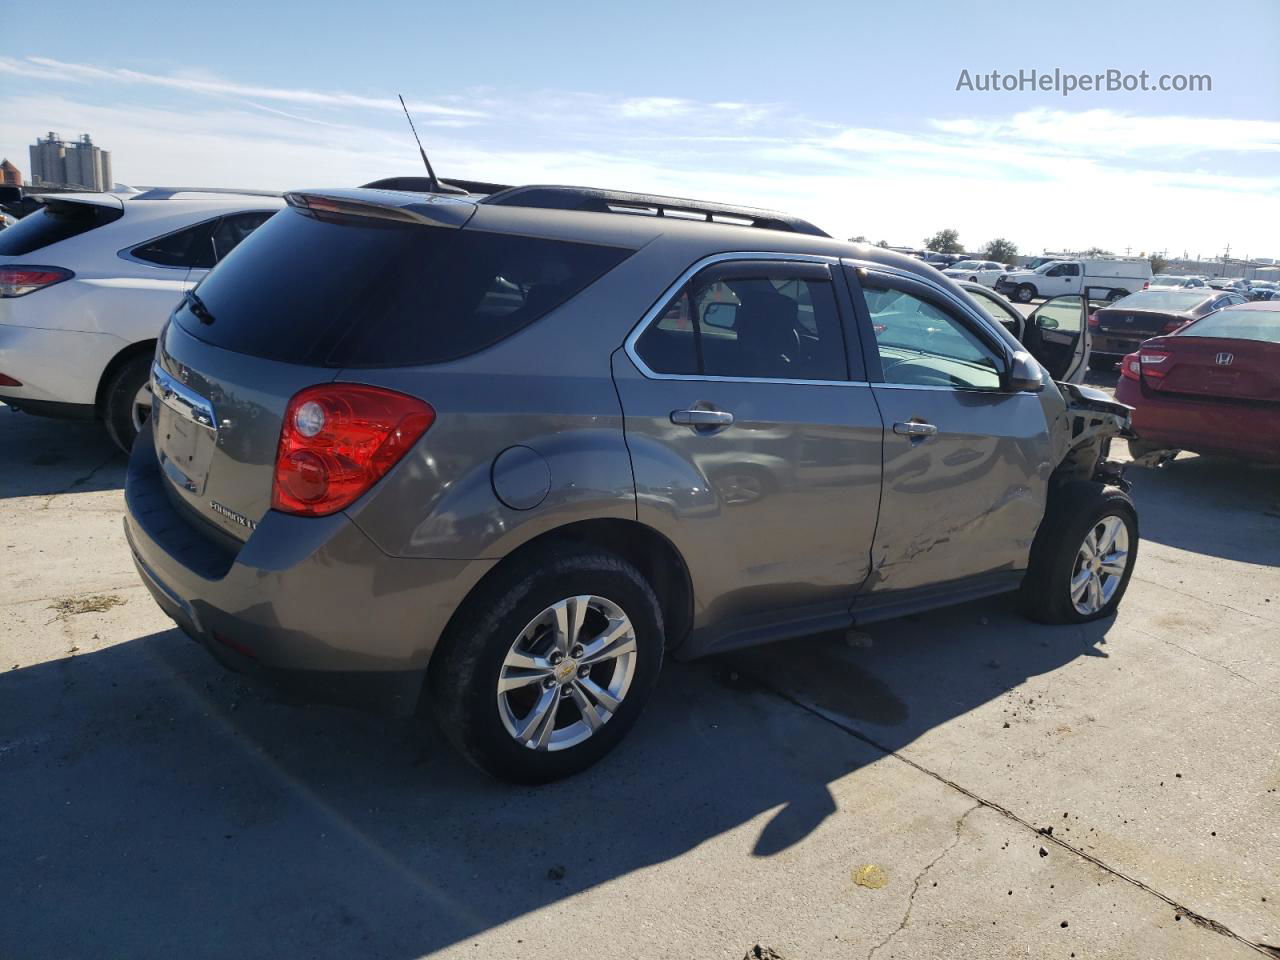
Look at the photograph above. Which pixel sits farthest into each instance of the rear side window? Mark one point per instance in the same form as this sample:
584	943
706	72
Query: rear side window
366	292
769	325
53	223
189	247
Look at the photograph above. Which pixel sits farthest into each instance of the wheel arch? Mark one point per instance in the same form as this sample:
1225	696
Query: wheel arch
649	551
131	352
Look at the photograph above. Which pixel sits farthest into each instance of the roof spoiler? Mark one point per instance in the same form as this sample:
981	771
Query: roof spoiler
436	211
424	185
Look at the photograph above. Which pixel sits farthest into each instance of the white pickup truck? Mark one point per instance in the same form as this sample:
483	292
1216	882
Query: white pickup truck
1117	276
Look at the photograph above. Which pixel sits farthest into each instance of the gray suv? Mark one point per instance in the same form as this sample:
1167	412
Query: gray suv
501	454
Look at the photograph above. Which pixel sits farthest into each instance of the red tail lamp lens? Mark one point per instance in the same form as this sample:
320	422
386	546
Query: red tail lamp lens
338	440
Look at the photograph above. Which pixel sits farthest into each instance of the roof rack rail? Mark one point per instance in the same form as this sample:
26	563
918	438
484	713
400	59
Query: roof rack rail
424	185
168	193
619	201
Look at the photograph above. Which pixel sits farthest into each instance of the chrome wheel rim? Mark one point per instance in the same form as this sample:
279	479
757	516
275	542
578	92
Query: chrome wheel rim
567	673
141	408
1100	565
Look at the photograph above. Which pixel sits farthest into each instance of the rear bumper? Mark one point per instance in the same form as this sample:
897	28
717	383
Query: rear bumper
55	366
311	602
1203	426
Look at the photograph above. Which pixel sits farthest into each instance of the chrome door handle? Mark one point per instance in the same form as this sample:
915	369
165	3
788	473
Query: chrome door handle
701	418
913	429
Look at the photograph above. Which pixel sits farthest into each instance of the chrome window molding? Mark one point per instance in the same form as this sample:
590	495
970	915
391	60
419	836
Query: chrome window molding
657	309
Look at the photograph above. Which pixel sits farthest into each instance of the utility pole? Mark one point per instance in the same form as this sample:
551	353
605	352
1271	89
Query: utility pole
1127	250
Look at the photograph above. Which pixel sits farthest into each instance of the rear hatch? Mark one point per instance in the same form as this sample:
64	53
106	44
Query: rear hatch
337	283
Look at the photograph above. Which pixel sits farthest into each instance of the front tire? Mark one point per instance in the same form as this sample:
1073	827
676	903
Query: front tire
548	665
126	401
1083	555
1024	293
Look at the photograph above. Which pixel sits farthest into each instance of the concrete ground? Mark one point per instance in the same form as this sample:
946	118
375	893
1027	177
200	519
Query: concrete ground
959	784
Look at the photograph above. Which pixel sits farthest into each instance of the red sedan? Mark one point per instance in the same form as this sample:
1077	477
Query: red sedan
1211	387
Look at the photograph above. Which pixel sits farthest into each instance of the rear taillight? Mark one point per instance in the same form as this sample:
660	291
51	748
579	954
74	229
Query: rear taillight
1130	368
338	440
1146	284
18	281
1173	325
8	381
1093	320
1149	363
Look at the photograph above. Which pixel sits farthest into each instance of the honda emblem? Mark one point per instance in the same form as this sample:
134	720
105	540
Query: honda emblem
1223	359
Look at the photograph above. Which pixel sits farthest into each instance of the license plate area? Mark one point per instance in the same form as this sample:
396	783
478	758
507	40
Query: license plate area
185	432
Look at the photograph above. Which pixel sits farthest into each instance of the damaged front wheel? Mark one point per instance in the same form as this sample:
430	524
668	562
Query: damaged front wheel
1083	555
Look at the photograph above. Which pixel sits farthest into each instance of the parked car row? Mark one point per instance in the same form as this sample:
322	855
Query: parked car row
87	281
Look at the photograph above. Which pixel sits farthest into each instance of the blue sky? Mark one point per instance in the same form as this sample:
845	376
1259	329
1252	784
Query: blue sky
845	113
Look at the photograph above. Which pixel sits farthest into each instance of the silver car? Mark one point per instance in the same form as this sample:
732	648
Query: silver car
497	455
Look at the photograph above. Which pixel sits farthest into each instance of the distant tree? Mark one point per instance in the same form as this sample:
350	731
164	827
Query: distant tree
1096	252
882	243
1000	250
945	241
1159	264
858	239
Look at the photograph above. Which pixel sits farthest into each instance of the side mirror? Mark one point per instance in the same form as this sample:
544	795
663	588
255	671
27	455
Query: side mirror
1025	375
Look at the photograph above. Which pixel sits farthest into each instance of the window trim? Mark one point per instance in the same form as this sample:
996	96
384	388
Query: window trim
659	308
980	326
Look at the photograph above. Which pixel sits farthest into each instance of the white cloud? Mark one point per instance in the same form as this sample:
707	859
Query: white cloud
1044	178
47	68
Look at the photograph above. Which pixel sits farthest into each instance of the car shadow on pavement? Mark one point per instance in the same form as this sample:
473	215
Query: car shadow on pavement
41	456
156	805
1192	502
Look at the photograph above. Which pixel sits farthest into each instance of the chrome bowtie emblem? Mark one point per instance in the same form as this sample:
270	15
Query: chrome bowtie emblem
1224	359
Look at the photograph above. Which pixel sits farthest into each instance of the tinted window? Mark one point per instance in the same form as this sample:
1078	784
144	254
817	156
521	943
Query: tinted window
230	230
189	247
922	345
359	291
1261	325
55	222
1161	300
774	327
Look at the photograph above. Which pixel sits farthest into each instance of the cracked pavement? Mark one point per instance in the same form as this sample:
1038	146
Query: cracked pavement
1101	791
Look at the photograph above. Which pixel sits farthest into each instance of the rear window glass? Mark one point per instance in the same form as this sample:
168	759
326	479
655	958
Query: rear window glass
55	222
1161	300
362	292
1231	324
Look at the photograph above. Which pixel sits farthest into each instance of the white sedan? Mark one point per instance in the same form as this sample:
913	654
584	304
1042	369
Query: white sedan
984	272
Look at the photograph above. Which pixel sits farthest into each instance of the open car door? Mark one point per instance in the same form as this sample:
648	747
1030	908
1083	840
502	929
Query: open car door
1057	334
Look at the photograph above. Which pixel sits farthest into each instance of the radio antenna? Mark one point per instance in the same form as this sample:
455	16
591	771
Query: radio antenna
432	180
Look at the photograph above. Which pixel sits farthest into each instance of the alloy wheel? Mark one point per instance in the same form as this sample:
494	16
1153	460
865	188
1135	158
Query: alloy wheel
567	673
1100	565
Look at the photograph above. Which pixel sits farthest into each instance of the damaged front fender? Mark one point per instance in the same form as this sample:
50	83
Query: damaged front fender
1082	432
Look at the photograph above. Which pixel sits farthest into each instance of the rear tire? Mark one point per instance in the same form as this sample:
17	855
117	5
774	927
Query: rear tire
1062	561
1101	364
1115	295
1024	293
122	409
507	626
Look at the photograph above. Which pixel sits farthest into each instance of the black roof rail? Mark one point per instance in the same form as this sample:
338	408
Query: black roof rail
424	185
168	193
619	201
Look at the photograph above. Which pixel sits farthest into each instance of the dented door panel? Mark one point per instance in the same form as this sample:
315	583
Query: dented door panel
965	500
